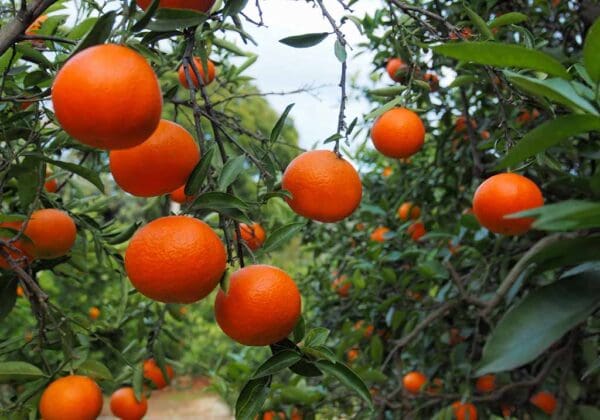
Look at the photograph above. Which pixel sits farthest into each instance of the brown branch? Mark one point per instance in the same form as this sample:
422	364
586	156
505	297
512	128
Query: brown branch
458	281
11	31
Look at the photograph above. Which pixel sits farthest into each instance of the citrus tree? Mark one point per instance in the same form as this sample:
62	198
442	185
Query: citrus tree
453	275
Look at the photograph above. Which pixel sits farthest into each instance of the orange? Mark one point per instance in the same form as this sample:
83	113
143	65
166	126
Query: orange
20	292
159	165
486	383
460	125
352	355
198	5
341	286
485	135
433	80
52	232
73	397
396	69
437	385
50	185
107	96
272	415
454	337
34	28
367	330
527	116
414	381
153	373
407	210
507	409
253	235
296	414
545	401
398	133
466	33
24	249
261	307
125	405
387	171
206	78
175	259
378	235
465	411
416	231
324	186
179	196
360	227
94	313
504	194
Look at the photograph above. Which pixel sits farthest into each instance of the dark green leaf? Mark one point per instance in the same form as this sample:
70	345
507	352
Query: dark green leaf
231	170
567	252
124	234
86	173
306	369
507	19
305	40
138	381
94	369
8	296
18	371
233	7
316	337
282	235
198	175
539	320
278	362
549	134
27	176
216	200
299	330
347	377
173	19
145	19
376	349
98	34
280	123
463	80
229	46
503	55
31	54
590	51
251	398
564	216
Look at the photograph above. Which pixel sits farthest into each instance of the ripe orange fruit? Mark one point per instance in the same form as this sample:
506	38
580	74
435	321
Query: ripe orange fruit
416	231
396	69
341	286
465	411
72	397
414	381
466	33
324	186
153	373
408	210
437	385
360	226
433	80
387	171
198	5
50	185
398	133
159	165
34	28
485	135
502	195
261	306
460	126
24	249
175	259
527	116
296	414
52	232
20	292
107	96
367	330
125	406
378	235
486	383
206	78
507	409
179	196
272	415
545	401
352	355
94	313
253	235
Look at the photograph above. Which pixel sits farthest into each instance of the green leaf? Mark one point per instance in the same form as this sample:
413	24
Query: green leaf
278	362
567	252
86	173
216	200
556	90
539	320
376	349
98	34
347	377
173	19
95	369
564	216
507	19
82	28
27	176
231	170
503	55
18	371
198	175
145	19
138	381
588	412
124	234
8	296
548	134
462	81
276	131
316	337
251	398
233	7
479	23
340	51
282	235
230	46
305	40
590	51
28	52
251	60
389	91
299	330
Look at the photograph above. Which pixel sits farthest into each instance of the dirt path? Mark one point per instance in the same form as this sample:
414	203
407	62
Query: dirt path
182	402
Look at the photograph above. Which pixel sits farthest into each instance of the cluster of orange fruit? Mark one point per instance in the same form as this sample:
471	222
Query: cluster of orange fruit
398	71
414	383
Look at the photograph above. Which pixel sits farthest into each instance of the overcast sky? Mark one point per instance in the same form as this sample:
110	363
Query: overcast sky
283	68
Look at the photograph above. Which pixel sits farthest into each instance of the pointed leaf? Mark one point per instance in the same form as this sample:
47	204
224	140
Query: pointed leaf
231	170
507	19
173	19
280	123
94	369
99	32
305	40
282	235
564	216
198	175
18	371
251	398
86	173
340	51
216	200
277	363
479	23
590	51
145	19
347	377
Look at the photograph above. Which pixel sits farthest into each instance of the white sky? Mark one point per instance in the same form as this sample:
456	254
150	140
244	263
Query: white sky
283	68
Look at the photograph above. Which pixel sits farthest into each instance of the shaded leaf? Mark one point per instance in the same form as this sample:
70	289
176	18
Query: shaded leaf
347	377
198	175
86	173
277	363
94	369
98	34
251	398
479	23
590	51
231	170
145	19
282	235
564	216
8	296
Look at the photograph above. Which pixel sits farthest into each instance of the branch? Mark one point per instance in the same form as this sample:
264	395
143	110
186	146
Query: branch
11	31
456	278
